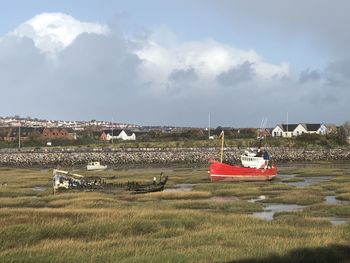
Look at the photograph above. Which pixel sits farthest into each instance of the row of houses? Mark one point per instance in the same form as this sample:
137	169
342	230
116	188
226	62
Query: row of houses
76	125
13	134
292	130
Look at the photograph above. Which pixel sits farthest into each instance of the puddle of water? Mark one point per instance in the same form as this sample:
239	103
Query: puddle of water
307	181
180	188
286	176
39	189
260	198
185	186
332	200
271	209
338	220
312	181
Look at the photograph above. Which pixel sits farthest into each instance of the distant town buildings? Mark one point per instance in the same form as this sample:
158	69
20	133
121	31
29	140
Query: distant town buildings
28	128
75	125
11	128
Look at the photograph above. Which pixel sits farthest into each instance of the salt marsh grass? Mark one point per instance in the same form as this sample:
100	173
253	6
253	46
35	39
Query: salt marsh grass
174	226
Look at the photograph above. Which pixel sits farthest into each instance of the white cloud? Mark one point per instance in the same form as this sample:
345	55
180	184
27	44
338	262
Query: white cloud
52	32
208	58
268	71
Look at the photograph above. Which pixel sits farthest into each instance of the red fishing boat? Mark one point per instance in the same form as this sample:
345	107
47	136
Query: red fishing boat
255	166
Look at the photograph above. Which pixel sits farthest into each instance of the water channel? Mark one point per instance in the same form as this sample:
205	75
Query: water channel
271	208
180	188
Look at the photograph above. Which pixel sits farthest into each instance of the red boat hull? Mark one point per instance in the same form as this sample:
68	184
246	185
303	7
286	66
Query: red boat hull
226	172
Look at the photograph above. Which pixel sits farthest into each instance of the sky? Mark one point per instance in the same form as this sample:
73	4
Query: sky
175	62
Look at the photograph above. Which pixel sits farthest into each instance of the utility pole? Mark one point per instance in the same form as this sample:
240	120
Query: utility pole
209	126
287	121
222	134
19	135
112	130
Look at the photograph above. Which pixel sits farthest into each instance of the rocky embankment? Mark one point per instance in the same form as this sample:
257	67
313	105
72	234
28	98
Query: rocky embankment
143	156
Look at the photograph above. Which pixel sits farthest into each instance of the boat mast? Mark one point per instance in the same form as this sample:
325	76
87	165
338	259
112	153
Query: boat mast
222	145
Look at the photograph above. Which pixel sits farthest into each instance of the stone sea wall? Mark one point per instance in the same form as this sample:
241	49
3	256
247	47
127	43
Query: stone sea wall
51	157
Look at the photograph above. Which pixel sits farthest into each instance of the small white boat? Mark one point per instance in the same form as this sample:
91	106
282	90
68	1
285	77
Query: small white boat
93	166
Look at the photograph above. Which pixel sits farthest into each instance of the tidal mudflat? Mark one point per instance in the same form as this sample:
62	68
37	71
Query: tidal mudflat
192	221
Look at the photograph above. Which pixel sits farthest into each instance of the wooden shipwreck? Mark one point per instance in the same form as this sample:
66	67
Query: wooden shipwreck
65	181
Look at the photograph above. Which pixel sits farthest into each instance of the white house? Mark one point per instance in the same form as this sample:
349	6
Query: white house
118	134
291	130
127	135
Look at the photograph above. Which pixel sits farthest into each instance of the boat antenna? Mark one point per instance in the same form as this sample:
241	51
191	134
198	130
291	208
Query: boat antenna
261	130
222	135
262	127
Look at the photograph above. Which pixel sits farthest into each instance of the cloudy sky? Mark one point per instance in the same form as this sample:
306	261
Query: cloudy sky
174	62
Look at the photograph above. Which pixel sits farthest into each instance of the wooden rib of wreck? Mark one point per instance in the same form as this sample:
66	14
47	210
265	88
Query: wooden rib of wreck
64	180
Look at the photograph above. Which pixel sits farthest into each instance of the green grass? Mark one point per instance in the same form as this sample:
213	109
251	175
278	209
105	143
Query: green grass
211	223
298	196
330	210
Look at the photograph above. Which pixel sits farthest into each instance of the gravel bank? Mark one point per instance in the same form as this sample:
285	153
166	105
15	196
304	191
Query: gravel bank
143	156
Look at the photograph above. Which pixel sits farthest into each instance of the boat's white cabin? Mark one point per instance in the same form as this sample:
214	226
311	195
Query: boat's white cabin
95	166
250	159
250	153
252	162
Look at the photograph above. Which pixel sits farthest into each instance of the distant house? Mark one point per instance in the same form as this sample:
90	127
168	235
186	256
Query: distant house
13	133
103	136
292	130
118	134
40	133
58	133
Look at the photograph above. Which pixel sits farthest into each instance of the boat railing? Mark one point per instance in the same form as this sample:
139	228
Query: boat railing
252	161
251	158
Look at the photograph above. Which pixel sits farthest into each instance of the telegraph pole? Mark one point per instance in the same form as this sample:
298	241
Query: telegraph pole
209	126
112	130
19	135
